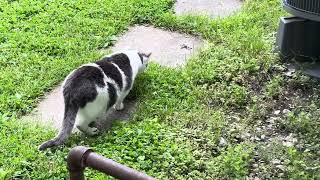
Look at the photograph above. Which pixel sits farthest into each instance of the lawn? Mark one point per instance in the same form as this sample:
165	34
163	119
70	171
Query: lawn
231	112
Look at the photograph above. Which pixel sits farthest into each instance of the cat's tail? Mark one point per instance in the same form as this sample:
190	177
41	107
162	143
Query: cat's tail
70	114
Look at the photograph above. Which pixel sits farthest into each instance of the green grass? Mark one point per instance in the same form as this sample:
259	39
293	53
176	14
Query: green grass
228	91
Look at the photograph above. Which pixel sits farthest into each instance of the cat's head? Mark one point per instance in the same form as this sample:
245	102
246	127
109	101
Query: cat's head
144	57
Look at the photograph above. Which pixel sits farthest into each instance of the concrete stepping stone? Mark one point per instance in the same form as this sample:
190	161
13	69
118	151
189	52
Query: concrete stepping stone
211	8
50	110
168	49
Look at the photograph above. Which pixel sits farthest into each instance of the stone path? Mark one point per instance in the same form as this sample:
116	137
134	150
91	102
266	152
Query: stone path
212	8
168	49
50	109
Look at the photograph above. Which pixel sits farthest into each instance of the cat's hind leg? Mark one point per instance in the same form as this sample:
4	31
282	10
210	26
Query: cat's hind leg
85	121
119	104
91	113
85	126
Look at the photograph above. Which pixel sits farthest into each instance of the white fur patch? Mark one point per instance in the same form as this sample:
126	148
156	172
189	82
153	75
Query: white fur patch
135	61
94	109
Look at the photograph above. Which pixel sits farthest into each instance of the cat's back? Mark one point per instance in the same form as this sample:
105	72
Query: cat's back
83	84
84	74
80	85
117	66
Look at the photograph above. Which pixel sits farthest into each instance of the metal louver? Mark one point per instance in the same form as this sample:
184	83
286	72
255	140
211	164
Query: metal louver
309	9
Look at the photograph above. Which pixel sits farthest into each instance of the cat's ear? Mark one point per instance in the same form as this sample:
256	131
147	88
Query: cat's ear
144	57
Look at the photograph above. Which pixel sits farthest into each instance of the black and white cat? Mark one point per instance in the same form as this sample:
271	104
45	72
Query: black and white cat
93	88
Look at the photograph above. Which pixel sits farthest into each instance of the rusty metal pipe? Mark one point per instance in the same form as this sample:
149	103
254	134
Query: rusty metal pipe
81	157
114	169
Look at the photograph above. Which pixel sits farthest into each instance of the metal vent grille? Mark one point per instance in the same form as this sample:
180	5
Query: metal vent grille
307	6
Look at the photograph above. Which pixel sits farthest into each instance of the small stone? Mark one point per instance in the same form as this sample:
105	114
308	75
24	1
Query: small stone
255	165
291	139
290	72
232	130
247	134
271	120
244	136
287	144
277	112
222	142
263	136
307	150
281	167
276	161
257	139
286	111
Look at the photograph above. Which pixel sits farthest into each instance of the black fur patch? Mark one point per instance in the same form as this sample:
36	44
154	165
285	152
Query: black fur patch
80	87
111	71
112	95
123	62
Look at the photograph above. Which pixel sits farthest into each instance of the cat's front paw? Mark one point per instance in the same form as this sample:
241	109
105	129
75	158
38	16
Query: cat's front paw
119	107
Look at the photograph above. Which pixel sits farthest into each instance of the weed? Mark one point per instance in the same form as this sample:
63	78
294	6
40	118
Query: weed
233	163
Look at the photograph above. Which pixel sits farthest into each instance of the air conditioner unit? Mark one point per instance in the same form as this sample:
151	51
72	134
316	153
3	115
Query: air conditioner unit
298	38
